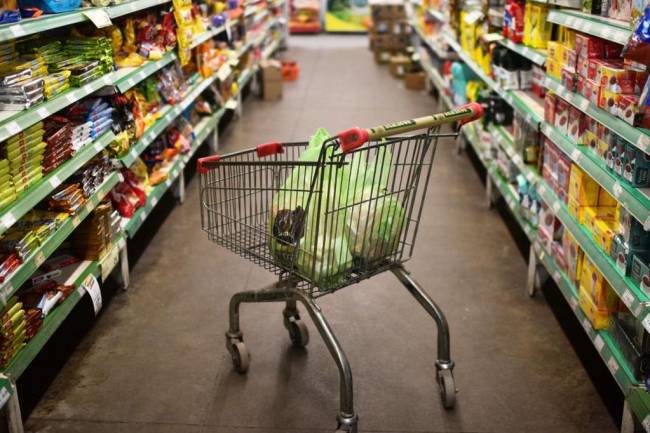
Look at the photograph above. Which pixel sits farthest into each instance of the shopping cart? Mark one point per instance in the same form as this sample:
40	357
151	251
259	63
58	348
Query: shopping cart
324	221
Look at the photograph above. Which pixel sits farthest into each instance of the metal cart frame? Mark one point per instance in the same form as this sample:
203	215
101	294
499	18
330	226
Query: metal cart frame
221	212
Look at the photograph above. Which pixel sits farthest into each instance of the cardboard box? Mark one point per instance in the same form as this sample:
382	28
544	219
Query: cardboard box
415	80
399	65
271	79
387	11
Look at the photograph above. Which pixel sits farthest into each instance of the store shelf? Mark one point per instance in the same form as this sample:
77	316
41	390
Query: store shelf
439	83
29	266
270	49
636	136
436	48
505	140
51	181
126	78
511	198
526	105
167	116
438	15
611	30
12	122
207	35
639	401
536	56
632	296
635	200
49	22
603	342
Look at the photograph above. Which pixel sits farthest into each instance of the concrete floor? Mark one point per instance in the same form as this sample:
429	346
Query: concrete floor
155	360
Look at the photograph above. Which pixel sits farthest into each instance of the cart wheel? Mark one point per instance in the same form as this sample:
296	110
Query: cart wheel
241	359
298	333
447	388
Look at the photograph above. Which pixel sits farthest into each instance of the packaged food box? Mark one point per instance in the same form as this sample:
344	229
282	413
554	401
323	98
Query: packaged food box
637	167
582	188
561	115
609	101
598	319
573	255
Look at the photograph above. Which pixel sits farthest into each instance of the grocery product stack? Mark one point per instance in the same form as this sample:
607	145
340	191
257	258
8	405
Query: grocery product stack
14	330
94	236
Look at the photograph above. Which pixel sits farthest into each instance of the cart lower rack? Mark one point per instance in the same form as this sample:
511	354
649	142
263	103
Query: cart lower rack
324	215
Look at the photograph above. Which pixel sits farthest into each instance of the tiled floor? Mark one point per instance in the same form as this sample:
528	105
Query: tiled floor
156	362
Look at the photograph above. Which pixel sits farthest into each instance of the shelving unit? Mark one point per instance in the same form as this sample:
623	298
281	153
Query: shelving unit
119	81
636	136
636	201
604	28
51	181
45	23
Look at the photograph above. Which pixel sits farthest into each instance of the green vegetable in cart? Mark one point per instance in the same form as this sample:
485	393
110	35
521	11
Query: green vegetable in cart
375	217
295	221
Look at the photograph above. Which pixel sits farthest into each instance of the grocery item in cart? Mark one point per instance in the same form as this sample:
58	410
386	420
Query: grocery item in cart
323	253
375	217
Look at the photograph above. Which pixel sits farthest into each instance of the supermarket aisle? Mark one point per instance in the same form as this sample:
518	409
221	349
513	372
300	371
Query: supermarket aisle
156	362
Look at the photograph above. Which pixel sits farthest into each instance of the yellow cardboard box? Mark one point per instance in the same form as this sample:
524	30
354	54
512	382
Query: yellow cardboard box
582	188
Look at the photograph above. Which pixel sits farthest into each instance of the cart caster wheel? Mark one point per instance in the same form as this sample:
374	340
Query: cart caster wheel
298	333
447	388
241	359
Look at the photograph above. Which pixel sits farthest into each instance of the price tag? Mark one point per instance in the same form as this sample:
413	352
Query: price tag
628	298
646	322
613	365
55	181
99	17
574	303
17	30
575	155
643	142
224	72
599	342
231	104
143	216
617	189
108	262
13	128
228	32
91	286
4	396
7	220
556	207
76	221
154	201
43	112
39	259
586	324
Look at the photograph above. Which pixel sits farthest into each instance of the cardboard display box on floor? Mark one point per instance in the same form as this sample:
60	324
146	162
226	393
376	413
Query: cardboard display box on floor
400	65
415	80
271	79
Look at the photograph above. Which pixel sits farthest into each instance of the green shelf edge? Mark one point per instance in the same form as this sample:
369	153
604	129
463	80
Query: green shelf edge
438	15
139	73
536	56
47	22
631	295
591	25
604	344
504	187
638	137
51	181
630	198
506	141
512	201
29	266
509	96
639	401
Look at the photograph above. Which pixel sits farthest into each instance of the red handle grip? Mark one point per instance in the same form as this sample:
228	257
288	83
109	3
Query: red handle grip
477	112
352	138
201	164
267	149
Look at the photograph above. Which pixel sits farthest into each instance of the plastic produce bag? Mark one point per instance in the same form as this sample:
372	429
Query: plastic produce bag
323	254
375	218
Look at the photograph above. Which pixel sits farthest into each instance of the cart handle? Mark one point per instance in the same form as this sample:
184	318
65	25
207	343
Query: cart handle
353	138
262	150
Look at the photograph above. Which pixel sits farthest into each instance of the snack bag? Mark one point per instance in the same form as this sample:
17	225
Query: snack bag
323	254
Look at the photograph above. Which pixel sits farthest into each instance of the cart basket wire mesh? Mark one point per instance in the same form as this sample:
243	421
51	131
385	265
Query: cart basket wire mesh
328	220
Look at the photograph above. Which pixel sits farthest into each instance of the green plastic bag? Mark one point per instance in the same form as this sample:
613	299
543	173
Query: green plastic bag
375	219
323	254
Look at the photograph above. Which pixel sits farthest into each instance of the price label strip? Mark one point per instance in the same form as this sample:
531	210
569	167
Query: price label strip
91	286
